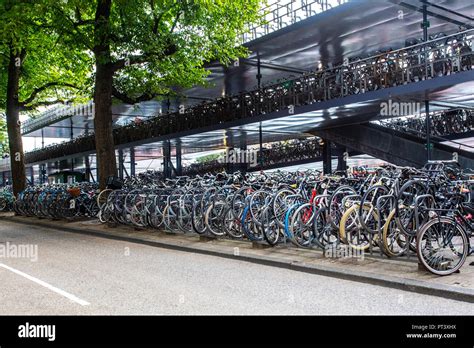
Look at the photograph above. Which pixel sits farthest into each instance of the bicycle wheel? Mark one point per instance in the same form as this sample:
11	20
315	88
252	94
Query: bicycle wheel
336	208
3	204
325	235
405	207
232	225
394	240
249	227
280	205
214	218
442	246
351	230
370	199
302	225
102	197
270	227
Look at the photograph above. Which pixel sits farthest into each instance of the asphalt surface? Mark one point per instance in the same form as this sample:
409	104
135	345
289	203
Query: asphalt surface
79	274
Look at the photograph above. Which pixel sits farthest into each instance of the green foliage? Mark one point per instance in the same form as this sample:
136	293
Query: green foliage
157	45
3	136
51	72
209	158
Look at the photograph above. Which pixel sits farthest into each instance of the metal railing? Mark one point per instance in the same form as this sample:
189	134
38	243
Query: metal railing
279	153
57	114
282	13
442	123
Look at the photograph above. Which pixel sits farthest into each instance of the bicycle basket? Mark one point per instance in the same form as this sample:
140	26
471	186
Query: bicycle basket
74	192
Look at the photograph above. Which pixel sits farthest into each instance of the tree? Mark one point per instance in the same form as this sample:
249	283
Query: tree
144	48
3	137
35	71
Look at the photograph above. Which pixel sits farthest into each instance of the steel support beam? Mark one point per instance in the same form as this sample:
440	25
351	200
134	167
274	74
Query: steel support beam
273	66
342	159
260	141
179	165
167	159
428	130
32	175
88	173
243	159
132	161
120	163
42	173
327	158
425	25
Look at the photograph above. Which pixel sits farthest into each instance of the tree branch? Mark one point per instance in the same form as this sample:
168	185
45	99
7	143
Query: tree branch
143	58
175	22
41	89
130	100
42	103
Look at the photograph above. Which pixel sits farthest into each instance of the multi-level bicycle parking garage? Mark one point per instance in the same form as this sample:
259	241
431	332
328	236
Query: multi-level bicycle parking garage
371	101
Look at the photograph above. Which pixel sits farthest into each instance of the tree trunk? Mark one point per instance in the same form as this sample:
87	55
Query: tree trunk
104	140
17	160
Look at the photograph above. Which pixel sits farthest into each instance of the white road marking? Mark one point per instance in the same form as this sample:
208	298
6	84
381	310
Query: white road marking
46	285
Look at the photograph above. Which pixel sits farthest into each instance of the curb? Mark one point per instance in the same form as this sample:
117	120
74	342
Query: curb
417	286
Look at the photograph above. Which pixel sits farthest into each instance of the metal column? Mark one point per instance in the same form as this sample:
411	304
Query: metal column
120	163
341	159
429	145
425	25
32	175
260	139
243	154
132	161
327	165
179	166
42	173
88	168
167	159
259	75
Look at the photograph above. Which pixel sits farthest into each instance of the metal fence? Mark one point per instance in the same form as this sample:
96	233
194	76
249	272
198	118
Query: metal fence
282	13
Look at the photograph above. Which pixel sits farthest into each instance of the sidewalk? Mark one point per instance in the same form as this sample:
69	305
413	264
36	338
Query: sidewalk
399	273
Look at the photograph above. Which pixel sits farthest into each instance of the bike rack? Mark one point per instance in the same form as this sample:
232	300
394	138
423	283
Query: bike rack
417	200
379	216
350	196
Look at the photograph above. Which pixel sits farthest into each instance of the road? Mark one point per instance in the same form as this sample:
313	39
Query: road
78	275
